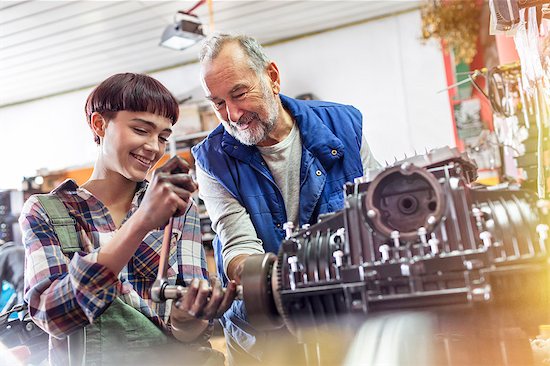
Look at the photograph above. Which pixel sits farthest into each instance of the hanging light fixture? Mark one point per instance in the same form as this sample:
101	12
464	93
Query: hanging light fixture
185	31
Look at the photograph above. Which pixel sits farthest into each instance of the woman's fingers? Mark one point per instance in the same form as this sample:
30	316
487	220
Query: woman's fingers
183	181
174	165
173	191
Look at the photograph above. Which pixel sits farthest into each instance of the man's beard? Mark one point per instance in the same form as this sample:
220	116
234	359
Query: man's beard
260	129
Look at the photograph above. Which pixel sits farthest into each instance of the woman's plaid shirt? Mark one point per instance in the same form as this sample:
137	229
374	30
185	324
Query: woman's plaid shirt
67	294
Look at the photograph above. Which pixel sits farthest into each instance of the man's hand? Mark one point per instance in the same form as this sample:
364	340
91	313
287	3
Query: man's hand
203	301
167	195
235	268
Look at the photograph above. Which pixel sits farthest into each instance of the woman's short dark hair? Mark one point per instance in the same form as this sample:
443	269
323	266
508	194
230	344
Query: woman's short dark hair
131	92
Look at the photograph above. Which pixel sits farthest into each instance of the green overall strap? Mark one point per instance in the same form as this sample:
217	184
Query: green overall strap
65	229
63	223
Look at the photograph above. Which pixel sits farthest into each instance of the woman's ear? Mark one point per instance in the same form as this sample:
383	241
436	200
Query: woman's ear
274	77
98	124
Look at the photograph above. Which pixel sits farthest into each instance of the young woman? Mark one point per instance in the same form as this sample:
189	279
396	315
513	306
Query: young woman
118	217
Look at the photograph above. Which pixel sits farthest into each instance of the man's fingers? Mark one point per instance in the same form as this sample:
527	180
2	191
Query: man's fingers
211	309
189	298
230	293
205	302
200	300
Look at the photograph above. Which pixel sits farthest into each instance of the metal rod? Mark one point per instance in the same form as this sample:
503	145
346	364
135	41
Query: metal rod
158	291
165	250
175	292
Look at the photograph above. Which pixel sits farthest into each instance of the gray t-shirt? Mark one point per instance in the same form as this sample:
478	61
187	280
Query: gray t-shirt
231	221
284	160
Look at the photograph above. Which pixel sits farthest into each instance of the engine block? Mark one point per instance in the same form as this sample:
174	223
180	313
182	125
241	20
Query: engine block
417	235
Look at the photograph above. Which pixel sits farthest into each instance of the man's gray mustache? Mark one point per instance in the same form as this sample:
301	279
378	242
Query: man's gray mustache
247	119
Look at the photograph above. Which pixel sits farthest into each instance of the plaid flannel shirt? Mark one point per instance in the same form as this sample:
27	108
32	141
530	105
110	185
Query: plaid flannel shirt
67	294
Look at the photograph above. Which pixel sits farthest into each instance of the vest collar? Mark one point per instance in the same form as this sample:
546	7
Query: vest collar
317	138
236	149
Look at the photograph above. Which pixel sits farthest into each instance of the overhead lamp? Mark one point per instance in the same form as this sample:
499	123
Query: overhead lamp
185	32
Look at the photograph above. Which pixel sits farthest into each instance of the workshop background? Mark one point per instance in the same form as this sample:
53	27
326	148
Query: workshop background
365	53
425	74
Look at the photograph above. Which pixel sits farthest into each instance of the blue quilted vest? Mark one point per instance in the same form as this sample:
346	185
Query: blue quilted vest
331	139
331	143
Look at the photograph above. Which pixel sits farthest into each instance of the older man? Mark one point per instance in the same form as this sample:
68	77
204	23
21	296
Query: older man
273	160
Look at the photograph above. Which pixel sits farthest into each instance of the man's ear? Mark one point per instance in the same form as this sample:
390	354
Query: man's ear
274	77
98	124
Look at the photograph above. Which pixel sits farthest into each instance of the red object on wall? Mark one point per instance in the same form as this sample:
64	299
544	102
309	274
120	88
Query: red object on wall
486	112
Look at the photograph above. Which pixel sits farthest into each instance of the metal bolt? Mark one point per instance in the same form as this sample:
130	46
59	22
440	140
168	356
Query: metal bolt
432	220
293	262
338	237
422	233
288	227
434	244
395	236
473	264
479	294
486	236
477	213
384	250
454	183
338	258
371	214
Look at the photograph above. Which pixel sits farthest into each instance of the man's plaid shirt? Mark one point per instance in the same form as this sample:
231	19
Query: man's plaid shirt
67	294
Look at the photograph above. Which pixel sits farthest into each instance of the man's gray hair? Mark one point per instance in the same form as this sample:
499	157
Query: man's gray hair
215	42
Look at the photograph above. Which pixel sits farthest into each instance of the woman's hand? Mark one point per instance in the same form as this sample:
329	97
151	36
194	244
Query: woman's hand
202	302
167	195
